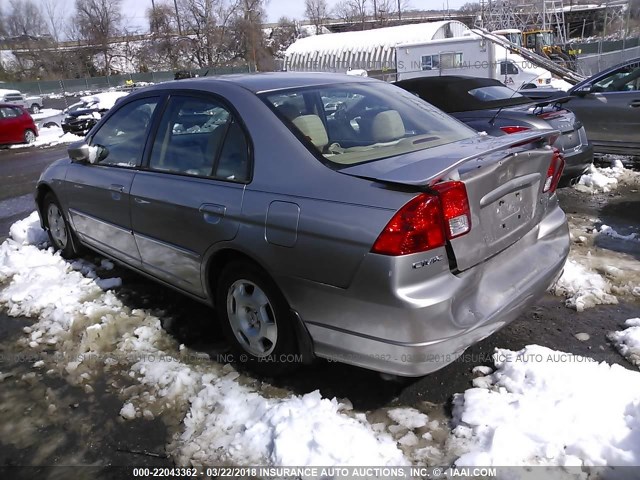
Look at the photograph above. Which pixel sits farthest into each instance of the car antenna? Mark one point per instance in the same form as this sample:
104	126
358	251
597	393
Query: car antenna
493	119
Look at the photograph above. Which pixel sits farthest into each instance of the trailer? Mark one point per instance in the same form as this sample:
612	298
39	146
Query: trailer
425	49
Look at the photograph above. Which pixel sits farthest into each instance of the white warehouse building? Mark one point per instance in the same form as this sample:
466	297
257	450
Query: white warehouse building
370	50
407	51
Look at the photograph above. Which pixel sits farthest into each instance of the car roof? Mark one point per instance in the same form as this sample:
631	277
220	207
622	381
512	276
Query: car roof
450	93
12	105
264	82
604	72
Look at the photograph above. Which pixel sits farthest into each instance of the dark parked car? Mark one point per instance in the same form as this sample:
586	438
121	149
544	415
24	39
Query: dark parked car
488	106
81	117
390	236
608	104
16	125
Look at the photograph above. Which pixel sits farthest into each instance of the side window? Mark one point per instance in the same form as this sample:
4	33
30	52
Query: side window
508	68
8	112
233	163
200	137
120	140
623	80
425	62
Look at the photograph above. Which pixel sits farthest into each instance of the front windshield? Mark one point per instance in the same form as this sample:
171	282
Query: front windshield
354	123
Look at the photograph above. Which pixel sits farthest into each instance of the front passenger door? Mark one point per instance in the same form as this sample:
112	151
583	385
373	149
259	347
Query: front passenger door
98	194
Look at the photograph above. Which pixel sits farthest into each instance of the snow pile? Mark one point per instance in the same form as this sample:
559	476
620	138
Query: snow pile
219	416
45	113
50	136
583	288
607	230
628	341
606	179
104	100
28	232
545	407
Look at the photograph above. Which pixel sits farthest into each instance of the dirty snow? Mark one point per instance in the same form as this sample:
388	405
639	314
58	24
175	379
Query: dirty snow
628	341
539	406
220	416
606	179
607	230
545	407
582	287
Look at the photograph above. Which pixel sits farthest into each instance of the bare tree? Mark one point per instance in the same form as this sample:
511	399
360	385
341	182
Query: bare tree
199	23
98	21
248	39
317	12
351	11
282	36
470	8
25	19
55	22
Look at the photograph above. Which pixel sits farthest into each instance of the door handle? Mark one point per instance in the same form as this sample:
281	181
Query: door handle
212	213
635	104
116	188
141	201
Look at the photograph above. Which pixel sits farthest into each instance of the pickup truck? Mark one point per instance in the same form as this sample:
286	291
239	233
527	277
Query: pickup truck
33	104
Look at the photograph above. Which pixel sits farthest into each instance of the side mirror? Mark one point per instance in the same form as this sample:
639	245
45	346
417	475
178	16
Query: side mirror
82	153
583	90
79	152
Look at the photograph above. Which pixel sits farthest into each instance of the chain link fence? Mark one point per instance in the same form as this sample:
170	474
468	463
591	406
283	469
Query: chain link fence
77	85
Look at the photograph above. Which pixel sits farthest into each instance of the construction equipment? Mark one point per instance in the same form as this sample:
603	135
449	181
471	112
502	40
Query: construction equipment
543	43
536	59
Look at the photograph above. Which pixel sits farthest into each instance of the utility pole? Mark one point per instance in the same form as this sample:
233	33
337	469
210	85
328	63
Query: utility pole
154	26
175	3
399	11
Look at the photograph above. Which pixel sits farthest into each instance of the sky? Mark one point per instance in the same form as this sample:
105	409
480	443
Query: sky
135	10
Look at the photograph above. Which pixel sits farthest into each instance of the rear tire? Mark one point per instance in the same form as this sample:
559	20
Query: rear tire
35	108
256	320
29	136
60	233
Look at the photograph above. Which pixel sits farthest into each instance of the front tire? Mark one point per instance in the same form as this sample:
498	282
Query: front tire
60	233
256	320
35	108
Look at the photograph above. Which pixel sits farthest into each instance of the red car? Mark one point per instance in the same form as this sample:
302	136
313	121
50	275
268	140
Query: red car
16	125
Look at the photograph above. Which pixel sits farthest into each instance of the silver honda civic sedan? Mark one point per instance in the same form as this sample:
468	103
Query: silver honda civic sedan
383	233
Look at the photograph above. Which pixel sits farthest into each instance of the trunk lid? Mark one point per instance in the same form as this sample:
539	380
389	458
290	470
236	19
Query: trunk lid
504	177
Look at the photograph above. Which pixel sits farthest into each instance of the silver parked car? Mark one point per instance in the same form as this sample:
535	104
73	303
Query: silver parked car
387	235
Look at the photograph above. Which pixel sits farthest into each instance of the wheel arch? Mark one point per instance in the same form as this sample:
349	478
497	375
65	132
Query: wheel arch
218	260
41	191
221	258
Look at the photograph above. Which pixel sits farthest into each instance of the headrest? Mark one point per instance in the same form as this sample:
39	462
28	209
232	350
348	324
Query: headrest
312	127
387	126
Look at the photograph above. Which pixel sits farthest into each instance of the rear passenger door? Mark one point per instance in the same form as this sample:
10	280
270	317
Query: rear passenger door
189	196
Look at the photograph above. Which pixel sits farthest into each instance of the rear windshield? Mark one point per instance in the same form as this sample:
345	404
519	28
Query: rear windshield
353	123
494	92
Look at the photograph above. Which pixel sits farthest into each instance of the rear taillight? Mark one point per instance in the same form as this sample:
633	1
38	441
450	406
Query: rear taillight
514	129
426	221
455	208
554	114
554	172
